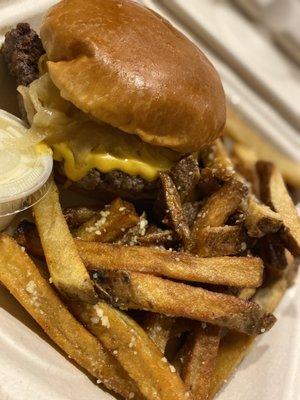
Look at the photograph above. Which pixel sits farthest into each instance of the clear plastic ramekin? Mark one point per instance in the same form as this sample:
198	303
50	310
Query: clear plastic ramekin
24	170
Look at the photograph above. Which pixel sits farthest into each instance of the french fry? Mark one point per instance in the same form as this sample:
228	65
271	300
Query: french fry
76	216
133	348
146	292
241	132
26	235
185	175
157	238
260	219
218	207
221	205
215	157
275	194
199	357
235	346
243	293
23	280
208	183
109	224
271	250
190	211
231	271
244	159
159	328
174	210
220	241
67	270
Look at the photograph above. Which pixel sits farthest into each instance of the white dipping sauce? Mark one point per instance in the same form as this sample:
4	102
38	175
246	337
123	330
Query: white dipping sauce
24	169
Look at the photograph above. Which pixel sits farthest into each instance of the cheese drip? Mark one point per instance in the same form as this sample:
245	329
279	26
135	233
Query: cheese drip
81	143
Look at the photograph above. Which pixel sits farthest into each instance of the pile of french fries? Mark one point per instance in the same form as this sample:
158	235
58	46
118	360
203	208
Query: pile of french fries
205	264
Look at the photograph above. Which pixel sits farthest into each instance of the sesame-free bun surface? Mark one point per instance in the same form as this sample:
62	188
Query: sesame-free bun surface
127	66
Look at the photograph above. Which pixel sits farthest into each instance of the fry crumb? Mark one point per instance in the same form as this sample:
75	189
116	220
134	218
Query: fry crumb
98	381
30	287
172	369
50	280
95	320
131	395
164	360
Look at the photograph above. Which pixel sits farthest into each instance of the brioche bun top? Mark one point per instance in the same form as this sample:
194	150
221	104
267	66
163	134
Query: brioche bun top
125	65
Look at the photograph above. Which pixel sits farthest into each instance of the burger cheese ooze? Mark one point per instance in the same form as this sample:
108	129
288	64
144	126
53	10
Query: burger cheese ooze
81	143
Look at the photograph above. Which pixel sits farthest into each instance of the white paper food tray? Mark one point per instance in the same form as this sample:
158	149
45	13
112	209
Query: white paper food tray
31	367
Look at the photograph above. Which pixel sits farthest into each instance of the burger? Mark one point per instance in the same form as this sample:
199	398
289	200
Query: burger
117	93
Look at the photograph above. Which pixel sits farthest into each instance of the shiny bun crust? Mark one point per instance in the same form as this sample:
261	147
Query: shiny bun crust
127	66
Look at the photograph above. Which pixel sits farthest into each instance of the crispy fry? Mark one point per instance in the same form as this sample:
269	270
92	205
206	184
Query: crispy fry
218	207
185	175
76	216
244	159
109	224
23	280
275	194
146	292
232	271
215	158
260	219
200	353
241	132
132	347
174	210
26	235
159	328
157	237
65	266
243	293
235	345
208	183
220	241
271	250
134	234
221	205
190	211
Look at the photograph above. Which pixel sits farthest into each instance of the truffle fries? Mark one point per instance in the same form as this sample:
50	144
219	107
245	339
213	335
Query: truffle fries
240	132
274	193
158	327
217	209
110	223
76	216
234	346
198	359
215	158
232	271
136	352
260	219
146	292
244	159
220	241
65	266
22	278
174	210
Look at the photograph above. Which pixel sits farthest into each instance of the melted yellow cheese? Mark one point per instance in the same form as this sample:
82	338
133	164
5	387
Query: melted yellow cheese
82	144
105	162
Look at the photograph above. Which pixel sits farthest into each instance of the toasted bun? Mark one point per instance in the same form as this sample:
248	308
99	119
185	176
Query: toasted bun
127	66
